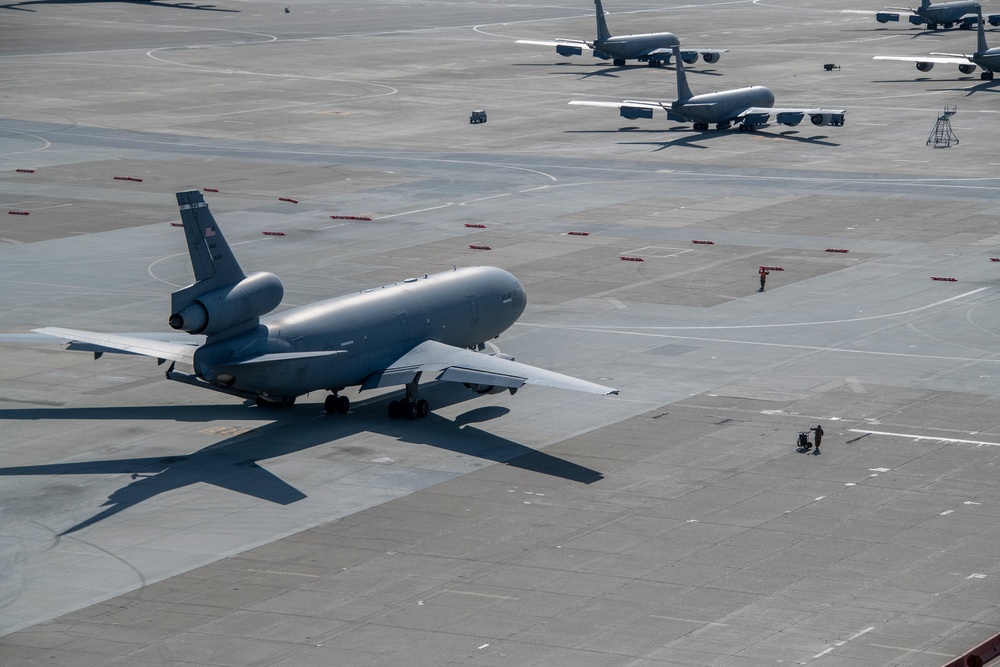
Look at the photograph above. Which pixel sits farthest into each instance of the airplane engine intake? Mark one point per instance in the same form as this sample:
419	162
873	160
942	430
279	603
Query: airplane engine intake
925	67
711	57
827	119
690	58
223	308
966	69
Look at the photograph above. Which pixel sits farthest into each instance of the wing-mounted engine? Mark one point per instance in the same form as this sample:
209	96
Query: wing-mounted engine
925	67
483	388
789	118
711	57
228	307
568	50
835	119
966	69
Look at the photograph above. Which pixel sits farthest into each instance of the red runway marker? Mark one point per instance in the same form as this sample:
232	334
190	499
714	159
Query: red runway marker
947	280
704	242
626	258
578	233
836	250
18	212
773	268
475	224
273	233
25	171
210	189
288	199
480	247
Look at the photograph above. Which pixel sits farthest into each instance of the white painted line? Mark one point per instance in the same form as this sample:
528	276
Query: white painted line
688	620
841	643
913	436
912	650
422	210
482	595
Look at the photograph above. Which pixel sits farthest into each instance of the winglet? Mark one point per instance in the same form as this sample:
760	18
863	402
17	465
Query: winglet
683	90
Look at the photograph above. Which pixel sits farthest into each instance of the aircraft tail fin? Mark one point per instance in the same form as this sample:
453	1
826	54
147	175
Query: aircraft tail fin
924	4
211	257
603	33
222	300
683	90
983	46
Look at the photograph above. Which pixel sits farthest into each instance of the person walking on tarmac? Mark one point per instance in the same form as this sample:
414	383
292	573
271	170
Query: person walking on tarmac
763	277
819	435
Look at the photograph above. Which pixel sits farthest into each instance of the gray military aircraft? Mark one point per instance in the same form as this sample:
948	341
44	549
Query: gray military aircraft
961	13
428	327
985	57
653	48
750	107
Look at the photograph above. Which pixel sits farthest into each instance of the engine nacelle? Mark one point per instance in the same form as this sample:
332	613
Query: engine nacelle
690	57
566	50
633	113
789	118
711	57
223	308
827	119
925	67
994	20
967	69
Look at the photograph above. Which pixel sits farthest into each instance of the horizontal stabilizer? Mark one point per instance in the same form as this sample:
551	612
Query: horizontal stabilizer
164	348
281	357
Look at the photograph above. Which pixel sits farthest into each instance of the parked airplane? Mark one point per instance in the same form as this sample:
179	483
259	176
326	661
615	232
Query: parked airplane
750	107
653	48
393	335
962	13
985	57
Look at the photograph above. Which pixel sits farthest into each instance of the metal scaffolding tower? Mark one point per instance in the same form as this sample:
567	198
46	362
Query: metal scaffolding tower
942	135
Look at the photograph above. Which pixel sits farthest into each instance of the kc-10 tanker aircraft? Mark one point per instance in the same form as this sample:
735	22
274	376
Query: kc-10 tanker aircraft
750	107
653	48
394	335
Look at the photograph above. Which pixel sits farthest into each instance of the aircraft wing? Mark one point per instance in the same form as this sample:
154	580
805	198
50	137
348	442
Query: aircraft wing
627	103
802	110
175	347
938	59
564	47
667	53
455	364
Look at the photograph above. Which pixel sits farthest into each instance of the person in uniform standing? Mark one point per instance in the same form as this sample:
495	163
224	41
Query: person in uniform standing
763	278
819	435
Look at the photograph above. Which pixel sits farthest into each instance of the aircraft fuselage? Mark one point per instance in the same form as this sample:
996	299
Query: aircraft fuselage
631	47
947	12
368	330
722	106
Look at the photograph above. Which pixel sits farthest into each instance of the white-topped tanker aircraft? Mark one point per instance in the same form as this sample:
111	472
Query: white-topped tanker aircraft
749	107
653	48
428	327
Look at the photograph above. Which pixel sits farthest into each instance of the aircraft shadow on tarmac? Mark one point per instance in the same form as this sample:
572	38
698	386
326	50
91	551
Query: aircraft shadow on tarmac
22	6
691	137
233	463
612	71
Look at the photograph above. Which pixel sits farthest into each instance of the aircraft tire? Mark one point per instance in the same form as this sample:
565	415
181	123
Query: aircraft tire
949	26
986	76
932	26
618	62
410	411
343	404
395	410
330	404
700	127
423	408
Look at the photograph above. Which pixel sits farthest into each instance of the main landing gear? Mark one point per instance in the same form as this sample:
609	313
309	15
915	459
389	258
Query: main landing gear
411	407
336	404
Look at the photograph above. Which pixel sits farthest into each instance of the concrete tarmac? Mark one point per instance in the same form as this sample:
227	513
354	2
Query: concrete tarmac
151	523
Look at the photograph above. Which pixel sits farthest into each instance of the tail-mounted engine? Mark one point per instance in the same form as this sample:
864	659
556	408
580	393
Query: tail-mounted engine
226	307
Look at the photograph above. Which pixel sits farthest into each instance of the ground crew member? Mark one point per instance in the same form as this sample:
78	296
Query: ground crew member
763	277
819	435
